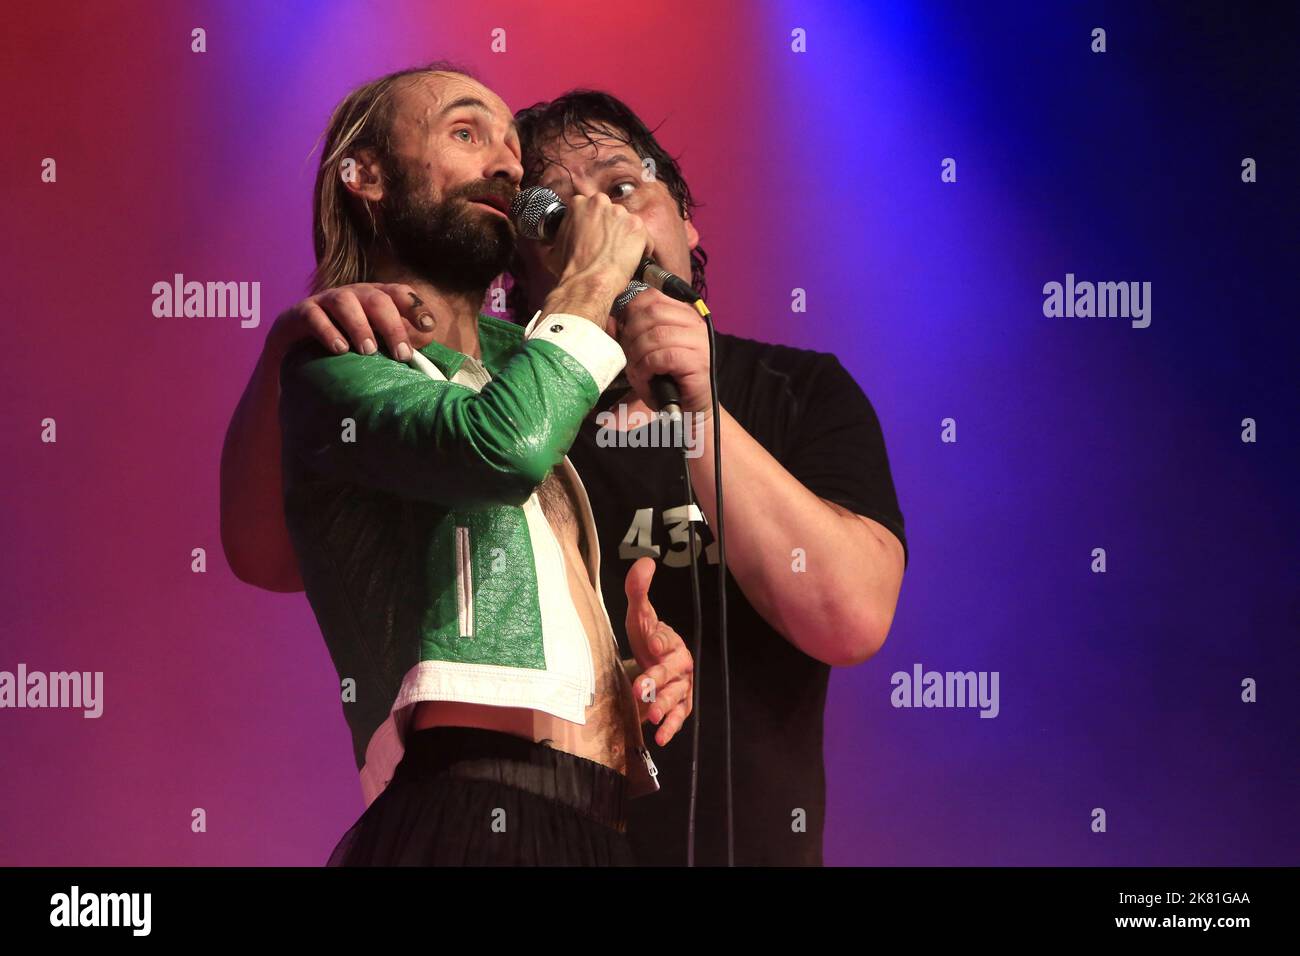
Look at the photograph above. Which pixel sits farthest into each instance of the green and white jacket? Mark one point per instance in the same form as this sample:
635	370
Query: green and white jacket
410	497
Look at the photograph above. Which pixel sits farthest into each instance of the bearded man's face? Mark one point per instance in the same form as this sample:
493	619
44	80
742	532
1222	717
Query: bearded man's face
457	241
450	170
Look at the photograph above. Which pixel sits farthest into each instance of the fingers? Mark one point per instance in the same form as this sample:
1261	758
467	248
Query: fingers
669	709
601	236
386	321
670	649
320	327
637	583
661	360
673	723
648	685
361	315
654	310
652	321
660	324
665	699
345	311
641	620
409	304
661	336
669	678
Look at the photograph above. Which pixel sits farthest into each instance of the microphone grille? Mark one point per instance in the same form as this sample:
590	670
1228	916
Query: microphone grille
634	289
530	209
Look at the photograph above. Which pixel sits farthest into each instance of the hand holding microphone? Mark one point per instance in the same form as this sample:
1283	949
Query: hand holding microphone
594	238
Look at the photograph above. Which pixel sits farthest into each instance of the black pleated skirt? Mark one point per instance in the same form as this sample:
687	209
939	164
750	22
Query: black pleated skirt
462	796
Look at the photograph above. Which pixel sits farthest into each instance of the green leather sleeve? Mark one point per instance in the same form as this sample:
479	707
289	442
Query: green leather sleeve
433	440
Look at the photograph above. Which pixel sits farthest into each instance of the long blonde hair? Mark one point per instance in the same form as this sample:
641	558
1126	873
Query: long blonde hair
363	119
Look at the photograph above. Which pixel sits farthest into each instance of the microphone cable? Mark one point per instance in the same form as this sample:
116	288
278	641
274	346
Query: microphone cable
697	651
720	540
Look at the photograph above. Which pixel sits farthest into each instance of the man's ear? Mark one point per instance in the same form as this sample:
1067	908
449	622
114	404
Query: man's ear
692	236
362	175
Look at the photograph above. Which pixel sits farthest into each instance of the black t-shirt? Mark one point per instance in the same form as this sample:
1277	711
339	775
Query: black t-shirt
809	413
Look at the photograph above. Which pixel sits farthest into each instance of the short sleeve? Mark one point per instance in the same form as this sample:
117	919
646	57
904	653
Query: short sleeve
837	448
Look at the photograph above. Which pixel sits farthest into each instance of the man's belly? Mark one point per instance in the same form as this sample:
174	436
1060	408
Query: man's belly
611	719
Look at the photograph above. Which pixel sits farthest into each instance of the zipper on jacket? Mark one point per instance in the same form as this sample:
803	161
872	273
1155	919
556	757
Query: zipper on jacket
464	583
650	767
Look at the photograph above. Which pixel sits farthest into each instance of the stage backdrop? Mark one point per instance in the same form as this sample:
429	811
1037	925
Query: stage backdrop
922	173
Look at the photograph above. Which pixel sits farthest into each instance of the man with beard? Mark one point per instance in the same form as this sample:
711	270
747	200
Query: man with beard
816	548
444	541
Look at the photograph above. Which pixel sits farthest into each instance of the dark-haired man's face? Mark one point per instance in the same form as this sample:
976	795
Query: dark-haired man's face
453	169
612	167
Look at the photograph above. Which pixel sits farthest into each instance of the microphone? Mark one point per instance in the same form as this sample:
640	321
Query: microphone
537	213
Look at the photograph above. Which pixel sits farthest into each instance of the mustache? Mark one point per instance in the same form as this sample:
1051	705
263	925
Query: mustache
480	188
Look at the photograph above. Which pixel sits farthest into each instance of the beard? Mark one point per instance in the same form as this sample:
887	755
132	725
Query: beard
448	242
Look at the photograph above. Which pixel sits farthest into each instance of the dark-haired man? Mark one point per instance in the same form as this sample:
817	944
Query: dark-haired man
815	543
